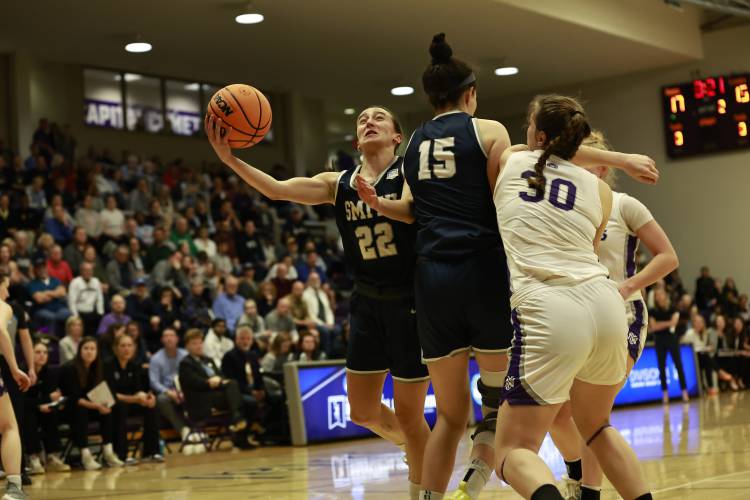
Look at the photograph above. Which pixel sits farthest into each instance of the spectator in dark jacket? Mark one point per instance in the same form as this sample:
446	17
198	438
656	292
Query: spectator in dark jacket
125	379
77	379
243	365
205	389
196	307
42	415
120	271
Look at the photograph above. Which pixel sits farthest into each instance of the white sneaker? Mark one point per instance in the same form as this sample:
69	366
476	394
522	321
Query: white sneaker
112	460
188	449
35	465
89	463
55	464
199	448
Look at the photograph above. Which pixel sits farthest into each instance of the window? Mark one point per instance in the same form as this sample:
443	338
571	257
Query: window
102	98
184	110
144	105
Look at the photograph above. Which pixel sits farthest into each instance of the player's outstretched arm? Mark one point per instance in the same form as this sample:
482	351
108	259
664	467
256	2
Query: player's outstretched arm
306	190
639	167
401	210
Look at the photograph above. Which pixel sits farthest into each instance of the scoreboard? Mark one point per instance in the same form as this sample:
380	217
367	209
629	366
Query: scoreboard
707	115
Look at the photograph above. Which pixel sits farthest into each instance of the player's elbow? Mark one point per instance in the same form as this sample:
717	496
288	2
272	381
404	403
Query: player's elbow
673	260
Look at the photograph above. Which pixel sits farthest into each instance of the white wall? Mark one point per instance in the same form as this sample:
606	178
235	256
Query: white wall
702	202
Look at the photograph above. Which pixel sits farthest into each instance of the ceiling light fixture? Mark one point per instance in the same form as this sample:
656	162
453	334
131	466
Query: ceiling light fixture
250	15
506	71
138	47
350	111
402	91
253	18
193	87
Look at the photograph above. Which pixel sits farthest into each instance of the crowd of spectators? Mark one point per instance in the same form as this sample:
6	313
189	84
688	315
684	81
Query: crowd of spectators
179	286
715	320
185	291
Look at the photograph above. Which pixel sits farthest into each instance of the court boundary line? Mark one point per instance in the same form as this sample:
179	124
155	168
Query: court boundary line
704	480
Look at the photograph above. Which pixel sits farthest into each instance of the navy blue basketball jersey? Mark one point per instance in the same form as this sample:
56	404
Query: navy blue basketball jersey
446	168
379	251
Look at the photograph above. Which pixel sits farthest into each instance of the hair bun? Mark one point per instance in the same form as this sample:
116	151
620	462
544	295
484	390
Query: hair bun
440	51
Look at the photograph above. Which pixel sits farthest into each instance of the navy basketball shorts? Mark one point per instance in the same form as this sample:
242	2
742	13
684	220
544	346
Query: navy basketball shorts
383	337
463	305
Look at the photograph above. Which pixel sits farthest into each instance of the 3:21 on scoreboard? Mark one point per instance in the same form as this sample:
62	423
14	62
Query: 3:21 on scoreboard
707	115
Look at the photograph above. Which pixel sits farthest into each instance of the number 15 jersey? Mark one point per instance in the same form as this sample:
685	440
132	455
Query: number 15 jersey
446	169
379	251
548	237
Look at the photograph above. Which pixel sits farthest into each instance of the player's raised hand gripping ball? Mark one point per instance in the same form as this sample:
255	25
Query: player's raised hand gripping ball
246	110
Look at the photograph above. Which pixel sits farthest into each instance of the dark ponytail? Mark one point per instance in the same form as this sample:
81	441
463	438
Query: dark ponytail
563	120
446	78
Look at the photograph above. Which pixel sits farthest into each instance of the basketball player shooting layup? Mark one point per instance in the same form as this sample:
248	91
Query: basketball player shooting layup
380	256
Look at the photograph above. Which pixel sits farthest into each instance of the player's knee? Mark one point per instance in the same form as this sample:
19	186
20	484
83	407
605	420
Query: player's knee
456	418
587	426
7	425
409	416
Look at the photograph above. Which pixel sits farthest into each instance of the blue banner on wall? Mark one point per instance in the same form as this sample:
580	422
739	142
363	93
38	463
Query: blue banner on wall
325	406
643	385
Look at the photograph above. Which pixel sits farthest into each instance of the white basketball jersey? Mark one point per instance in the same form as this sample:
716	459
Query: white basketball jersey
548	238
619	242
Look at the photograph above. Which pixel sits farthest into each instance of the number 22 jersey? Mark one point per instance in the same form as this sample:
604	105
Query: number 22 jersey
548	236
379	251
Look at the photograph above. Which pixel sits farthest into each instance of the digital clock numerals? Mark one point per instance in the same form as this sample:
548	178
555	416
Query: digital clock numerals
679	139
741	93
677	103
708	87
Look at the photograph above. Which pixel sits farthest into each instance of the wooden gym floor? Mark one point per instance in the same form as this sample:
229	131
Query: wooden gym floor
700	450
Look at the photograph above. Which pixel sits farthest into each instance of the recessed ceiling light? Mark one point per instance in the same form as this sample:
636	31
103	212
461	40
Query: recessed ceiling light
402	91
350	111
138	47
348	137
129	77
250	18
193	87
506	71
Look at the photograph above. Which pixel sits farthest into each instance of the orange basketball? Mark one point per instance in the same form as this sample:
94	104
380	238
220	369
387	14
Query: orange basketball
246	110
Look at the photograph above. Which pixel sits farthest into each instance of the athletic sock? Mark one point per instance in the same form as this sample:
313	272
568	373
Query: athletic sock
15	479
414	491
590	492
476	477
647	496
547	492
575	471
430	495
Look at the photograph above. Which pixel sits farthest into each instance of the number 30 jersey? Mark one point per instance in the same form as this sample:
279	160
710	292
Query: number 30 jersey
446	169
548	237
379	251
